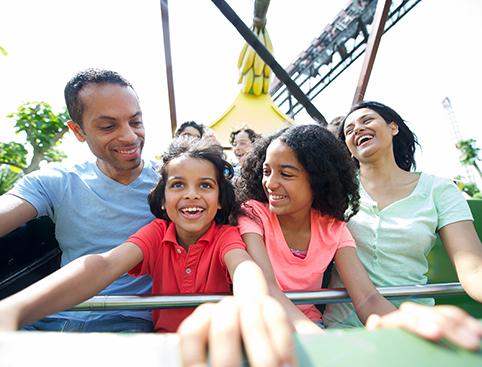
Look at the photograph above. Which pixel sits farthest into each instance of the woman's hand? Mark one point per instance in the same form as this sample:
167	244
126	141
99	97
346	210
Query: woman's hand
261	324
433	323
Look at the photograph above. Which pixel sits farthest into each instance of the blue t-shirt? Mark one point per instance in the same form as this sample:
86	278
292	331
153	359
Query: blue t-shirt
92	214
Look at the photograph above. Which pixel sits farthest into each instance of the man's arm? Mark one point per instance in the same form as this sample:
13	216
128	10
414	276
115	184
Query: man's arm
14	212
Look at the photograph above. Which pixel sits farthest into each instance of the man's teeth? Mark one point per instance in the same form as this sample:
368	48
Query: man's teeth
130	151
277	197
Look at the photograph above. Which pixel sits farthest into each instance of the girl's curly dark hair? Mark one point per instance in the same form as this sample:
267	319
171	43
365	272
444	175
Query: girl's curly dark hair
331	171
199	149
404	143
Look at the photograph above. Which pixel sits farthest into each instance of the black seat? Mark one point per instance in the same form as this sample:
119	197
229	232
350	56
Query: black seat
28	254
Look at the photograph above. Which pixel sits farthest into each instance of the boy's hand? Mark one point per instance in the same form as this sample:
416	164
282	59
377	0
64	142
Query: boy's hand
261	323
433	323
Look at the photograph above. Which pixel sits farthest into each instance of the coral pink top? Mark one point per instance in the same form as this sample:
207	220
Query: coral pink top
294	273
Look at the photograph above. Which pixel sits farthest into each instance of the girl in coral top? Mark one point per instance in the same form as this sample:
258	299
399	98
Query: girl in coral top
190	248
300	187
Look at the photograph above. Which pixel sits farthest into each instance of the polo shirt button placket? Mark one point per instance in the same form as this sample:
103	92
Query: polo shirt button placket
178	250
188	270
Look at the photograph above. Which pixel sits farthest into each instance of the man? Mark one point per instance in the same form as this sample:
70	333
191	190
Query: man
95	205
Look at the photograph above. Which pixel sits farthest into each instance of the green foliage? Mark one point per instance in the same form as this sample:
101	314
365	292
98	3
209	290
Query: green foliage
8	176
469	151
3	51
43	130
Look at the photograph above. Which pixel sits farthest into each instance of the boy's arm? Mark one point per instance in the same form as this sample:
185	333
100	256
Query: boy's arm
251	315
257	250
67	287
14	212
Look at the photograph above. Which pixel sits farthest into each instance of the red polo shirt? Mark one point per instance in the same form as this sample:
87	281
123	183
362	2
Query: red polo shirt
198	270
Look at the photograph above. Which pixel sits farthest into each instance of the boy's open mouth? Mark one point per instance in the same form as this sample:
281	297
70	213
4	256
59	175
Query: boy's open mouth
192	211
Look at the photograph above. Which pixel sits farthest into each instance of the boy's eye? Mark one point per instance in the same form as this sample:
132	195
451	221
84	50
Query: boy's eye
176	185
205	185
266	172
286	174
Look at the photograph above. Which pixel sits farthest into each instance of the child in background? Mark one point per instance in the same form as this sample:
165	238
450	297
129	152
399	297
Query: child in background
190	248
190	128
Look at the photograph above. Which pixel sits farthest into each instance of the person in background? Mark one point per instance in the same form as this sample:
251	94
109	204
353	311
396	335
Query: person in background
335	125
401	211
242	142
190	128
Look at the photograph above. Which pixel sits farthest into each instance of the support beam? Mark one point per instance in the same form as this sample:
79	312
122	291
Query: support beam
372	47
168	60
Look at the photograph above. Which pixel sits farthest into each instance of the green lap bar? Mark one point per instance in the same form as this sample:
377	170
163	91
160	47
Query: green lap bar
383	348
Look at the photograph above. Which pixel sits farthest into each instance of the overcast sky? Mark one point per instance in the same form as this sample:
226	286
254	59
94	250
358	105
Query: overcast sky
430	54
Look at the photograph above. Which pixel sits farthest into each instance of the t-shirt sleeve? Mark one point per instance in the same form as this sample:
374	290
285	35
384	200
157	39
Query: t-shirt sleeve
346	239
148	239
450	204
229	239
251	223
43	189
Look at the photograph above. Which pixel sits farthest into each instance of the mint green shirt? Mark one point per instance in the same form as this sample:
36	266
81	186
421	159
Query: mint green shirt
393	243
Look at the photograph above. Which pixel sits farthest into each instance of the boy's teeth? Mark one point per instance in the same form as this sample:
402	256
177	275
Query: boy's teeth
191	210
130	151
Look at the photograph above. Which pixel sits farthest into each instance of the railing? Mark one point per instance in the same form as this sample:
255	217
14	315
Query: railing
99	303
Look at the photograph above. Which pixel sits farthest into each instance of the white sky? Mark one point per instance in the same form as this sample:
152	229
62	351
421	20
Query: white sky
429	54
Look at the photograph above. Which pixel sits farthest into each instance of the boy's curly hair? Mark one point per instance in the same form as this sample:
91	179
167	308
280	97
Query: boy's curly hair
331	171
199	149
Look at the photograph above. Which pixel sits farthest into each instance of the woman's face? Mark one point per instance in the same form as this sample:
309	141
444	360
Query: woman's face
368	135
285	181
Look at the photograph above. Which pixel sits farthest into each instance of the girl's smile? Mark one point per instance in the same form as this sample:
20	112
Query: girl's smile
191	197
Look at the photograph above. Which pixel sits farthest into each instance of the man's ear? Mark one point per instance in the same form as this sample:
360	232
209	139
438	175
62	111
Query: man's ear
77	130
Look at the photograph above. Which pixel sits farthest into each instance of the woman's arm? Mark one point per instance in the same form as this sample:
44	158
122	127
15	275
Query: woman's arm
68	286
465	251
257	250
363	293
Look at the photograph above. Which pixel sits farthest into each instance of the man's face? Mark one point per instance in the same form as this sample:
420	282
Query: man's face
113	129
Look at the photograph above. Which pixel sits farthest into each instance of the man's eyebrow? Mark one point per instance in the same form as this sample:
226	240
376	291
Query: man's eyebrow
137	114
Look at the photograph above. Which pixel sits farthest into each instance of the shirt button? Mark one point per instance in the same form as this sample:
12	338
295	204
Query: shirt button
179	251
188	270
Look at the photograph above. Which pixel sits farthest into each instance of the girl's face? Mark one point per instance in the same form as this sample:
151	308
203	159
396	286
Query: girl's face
191	197
285	181
368	135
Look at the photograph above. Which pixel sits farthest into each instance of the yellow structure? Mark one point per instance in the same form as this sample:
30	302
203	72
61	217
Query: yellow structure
253	107
256	112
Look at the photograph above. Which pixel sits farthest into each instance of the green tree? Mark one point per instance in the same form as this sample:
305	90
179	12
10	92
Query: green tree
43	130
469	153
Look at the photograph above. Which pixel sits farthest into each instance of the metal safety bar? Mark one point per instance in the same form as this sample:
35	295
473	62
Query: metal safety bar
335	295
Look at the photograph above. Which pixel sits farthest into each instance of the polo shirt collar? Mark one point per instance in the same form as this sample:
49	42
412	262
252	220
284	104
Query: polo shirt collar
207	238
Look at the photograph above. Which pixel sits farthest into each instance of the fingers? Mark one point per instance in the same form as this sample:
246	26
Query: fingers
280	331
267	333
193	333
433	323
224	336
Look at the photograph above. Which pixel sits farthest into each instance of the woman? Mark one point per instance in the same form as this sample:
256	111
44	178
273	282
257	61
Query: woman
402	211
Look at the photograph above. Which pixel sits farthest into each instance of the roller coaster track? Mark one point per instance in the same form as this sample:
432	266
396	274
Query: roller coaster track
337	47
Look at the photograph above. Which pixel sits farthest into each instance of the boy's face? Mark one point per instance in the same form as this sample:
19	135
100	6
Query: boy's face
113	129
191	198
